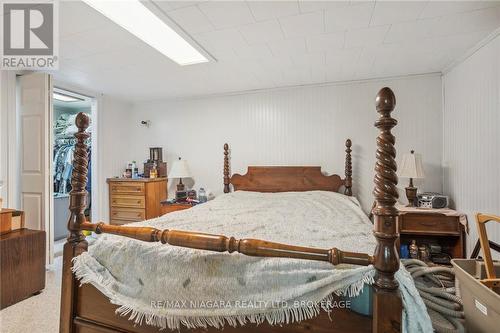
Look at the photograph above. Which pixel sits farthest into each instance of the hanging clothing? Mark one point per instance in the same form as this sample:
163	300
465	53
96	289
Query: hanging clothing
64	148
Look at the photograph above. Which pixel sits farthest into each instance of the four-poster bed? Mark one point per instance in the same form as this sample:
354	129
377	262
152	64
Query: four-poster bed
85	309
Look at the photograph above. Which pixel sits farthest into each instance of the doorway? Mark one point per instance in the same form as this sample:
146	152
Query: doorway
66	106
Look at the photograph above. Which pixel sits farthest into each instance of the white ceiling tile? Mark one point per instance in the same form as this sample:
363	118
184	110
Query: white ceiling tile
325	42
342	57
257	51
173	5
261	32
350	17
318	74
444	8
73	18
220	39
288	46
275	63
365	63
297	75
309	59
191	19
311	5
222	53
366	36
225	14
484	19
110	38
303	24
99	55
411	30
397	11
264	10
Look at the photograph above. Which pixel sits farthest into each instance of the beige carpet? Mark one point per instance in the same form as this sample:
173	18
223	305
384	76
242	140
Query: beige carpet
37	314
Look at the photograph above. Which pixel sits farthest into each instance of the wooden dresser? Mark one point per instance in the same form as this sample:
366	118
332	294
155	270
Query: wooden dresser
133	200
22	258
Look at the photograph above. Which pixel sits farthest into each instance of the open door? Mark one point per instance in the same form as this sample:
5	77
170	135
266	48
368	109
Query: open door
35	105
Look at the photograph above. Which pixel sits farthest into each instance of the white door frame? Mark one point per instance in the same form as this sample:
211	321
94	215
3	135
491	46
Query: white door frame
95	106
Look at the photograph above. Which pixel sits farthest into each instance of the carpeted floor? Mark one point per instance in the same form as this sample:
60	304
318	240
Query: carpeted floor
37	314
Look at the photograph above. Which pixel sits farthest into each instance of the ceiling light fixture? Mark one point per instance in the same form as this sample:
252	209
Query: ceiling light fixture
66	98
134	17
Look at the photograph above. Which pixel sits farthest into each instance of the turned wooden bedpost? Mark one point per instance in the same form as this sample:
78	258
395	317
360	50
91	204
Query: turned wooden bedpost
76	243
387	306
226	168
348	168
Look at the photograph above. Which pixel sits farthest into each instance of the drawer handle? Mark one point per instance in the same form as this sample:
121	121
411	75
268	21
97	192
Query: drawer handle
138	214
138	201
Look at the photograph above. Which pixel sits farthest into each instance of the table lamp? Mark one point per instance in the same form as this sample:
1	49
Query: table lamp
180	169
411	167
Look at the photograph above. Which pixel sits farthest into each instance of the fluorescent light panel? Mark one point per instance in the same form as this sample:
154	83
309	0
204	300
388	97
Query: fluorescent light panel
133	16
65	98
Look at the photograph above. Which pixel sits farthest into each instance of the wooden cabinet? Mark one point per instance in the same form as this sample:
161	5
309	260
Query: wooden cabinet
433	229
173	207
22	259
133	200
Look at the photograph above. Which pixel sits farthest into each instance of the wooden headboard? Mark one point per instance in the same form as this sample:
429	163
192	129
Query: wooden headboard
288	178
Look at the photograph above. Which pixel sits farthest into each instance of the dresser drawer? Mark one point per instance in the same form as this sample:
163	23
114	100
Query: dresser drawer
131	201
429	224
128	214
127	188
119	222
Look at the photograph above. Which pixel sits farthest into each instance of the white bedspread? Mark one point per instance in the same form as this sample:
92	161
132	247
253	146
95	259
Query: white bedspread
170	286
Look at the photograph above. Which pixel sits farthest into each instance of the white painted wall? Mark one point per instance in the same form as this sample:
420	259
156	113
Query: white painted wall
471	150
113	149
295	126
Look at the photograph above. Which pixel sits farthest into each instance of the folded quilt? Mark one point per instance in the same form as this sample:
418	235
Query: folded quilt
169	286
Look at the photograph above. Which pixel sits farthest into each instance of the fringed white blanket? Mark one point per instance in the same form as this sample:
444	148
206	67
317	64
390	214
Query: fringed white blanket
168	286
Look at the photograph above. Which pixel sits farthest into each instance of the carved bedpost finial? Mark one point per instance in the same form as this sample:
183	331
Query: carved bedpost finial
226	168
78	194
348	168
386	194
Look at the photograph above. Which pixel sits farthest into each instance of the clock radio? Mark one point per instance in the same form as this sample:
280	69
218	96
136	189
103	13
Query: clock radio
432	200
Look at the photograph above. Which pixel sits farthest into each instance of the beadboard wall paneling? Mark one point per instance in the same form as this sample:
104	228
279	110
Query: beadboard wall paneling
295	126
471	150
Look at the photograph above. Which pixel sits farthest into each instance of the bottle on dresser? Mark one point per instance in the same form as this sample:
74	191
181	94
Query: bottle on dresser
153	173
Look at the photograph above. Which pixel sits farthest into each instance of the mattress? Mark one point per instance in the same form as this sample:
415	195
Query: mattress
170	286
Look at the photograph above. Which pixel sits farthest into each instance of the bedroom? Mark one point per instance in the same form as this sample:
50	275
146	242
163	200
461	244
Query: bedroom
283	83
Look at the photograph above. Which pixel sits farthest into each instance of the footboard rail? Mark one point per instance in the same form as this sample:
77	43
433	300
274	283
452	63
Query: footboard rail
221	243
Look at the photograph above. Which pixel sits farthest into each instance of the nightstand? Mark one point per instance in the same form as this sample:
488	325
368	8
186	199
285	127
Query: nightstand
167	207
432	227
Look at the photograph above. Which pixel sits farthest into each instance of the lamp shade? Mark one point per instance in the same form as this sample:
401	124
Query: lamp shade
411	166
180	169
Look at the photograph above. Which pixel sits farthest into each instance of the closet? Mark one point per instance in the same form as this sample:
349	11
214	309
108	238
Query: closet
66	107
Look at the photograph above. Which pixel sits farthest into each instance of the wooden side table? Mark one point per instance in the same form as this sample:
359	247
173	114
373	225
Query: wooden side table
22	260
167	207
429	228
